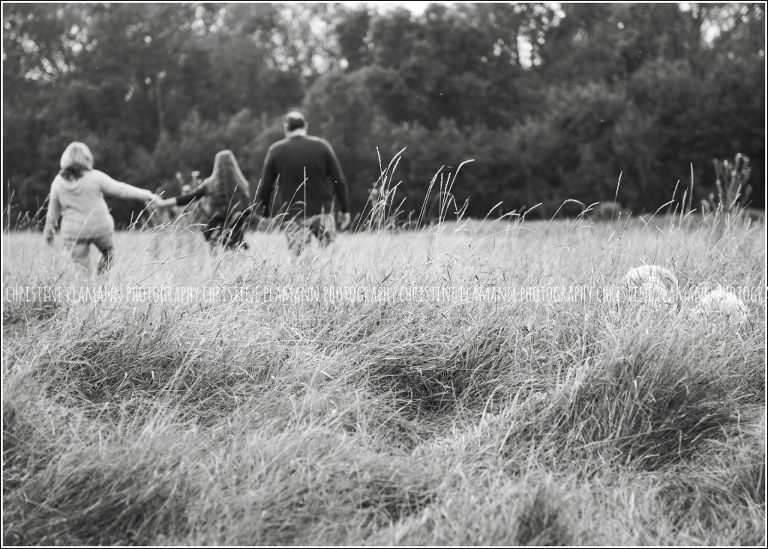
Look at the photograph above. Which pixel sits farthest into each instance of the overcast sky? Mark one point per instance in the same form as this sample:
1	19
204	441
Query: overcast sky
415	7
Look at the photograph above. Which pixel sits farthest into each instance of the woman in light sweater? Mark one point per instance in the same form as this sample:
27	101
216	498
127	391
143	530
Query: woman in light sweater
76	206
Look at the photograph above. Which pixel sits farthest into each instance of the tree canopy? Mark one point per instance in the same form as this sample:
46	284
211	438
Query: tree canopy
550	101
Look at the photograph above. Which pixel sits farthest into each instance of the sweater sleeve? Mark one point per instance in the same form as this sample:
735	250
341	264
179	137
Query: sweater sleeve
122	190
264	191
337	176
54	213
186	198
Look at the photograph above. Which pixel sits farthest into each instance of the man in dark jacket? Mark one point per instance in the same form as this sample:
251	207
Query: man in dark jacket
300	179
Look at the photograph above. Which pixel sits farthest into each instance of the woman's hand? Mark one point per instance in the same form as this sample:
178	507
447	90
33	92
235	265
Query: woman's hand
164	203
157	203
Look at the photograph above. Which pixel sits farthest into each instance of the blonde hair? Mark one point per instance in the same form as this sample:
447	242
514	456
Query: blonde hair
77	158
76	154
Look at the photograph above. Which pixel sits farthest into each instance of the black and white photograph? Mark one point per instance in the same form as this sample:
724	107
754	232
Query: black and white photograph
344	274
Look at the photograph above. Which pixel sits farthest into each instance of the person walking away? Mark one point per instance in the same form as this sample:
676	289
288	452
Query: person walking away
300	179
76	207
228	195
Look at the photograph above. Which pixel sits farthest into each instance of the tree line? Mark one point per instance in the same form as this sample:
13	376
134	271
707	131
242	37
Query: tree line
550	102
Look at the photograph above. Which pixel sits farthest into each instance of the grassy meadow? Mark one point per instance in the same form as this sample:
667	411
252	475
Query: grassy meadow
258	414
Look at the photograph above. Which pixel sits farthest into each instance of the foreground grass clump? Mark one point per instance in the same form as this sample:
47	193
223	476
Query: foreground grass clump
648	407
531	419
125	490
304	487
111	356
729	489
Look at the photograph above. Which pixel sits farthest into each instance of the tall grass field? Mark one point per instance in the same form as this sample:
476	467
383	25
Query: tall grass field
474	382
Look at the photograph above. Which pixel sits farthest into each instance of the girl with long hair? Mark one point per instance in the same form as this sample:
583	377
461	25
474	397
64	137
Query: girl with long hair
228	207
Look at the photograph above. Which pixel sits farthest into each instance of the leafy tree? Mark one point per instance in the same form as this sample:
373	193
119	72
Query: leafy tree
551	101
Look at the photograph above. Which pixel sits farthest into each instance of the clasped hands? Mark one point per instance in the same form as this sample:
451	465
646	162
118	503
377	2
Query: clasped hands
156	202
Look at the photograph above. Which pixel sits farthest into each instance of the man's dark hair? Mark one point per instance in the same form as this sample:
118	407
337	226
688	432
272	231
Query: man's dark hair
295	120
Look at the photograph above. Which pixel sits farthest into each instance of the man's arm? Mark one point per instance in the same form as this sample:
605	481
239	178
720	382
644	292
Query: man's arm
264	191
337	176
